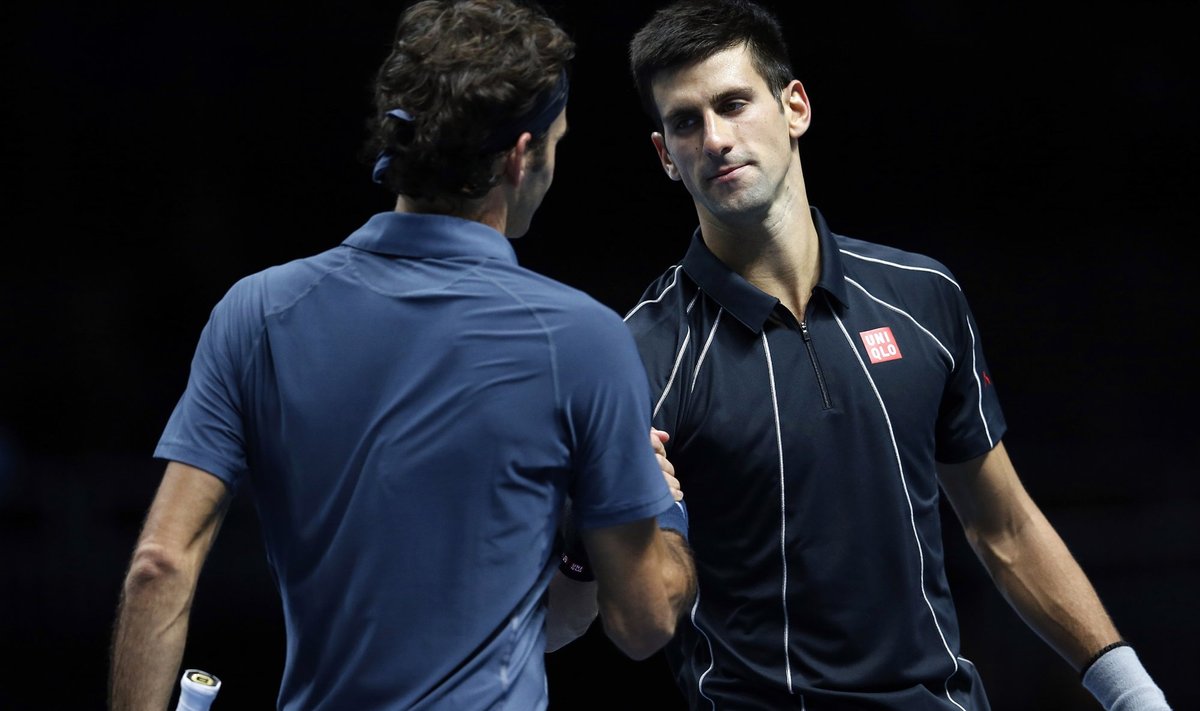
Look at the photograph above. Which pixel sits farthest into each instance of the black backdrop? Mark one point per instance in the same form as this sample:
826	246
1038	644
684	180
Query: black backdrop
155	152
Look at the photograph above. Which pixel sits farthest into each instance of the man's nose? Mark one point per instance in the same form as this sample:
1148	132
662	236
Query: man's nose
718	135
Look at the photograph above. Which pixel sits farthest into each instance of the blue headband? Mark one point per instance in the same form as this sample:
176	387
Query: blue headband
536	121
385	156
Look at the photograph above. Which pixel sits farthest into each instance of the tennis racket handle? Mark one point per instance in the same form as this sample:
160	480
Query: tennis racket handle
197	689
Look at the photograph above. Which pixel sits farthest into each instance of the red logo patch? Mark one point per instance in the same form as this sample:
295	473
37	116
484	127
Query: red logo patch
881	345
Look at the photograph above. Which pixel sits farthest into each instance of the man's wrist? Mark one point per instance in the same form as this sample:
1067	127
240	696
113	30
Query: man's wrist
573	561
1119	682
1100	653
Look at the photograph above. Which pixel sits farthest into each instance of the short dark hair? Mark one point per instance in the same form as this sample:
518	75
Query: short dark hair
689	31
460	68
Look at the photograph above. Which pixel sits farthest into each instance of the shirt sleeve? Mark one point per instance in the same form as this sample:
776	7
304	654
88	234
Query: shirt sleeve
206	428
970	420
606	401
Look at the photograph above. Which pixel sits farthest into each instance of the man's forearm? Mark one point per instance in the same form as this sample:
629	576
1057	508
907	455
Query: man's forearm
1040	578
149	637
645	580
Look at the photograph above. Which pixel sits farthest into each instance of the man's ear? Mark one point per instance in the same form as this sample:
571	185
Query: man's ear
797	107
660	145
514	161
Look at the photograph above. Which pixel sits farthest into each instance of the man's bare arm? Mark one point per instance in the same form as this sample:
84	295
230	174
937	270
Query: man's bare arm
1039	577
152	619
646	579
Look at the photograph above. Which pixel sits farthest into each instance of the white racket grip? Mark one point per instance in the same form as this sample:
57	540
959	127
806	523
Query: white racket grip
197	689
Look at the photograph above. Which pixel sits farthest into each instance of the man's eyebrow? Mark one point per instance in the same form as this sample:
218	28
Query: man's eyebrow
736	92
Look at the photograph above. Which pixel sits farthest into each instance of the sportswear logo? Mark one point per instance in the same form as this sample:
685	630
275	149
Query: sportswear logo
881	345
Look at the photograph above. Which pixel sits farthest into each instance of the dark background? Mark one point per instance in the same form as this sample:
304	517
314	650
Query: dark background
155	152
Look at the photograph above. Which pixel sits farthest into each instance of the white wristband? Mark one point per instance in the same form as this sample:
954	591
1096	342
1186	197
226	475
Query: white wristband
1120	683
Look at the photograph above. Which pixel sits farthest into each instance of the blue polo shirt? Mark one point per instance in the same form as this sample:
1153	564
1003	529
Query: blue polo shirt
411	409
806	449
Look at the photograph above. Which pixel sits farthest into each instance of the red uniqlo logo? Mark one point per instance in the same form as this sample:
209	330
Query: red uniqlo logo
881	346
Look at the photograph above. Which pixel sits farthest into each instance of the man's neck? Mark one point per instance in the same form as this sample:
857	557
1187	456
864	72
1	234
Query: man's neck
489	210
779	254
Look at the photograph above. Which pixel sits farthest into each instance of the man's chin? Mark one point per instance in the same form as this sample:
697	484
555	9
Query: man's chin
738	208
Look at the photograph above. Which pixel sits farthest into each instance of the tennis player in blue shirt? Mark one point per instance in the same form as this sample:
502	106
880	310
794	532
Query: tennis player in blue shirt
411	411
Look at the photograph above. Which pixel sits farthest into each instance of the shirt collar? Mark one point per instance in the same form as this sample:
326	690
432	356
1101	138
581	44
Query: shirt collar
746	302
409	234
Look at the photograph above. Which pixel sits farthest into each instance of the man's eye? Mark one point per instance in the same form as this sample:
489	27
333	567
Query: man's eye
684	124
733	106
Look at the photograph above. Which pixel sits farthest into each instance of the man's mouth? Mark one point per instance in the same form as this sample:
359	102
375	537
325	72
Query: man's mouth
726	173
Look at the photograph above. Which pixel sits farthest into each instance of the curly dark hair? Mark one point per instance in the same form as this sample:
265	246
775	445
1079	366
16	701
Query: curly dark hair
689	31
460	68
